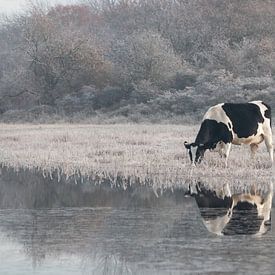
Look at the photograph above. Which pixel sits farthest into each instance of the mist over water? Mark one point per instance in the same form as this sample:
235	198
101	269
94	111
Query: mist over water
57	228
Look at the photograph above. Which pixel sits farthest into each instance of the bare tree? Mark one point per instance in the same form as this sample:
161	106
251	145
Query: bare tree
60	59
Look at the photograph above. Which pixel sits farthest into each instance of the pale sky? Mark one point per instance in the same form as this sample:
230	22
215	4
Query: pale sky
14	6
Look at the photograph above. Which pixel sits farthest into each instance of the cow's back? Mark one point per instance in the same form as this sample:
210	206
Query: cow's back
247	121
217	113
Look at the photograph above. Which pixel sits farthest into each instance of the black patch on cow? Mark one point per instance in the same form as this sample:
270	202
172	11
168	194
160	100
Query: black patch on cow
207	199
211	132
245	118
229	125
245	220
190	155
267	112
199	154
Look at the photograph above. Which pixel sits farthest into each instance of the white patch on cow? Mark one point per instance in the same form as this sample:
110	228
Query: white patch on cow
218	114
263	108
217	225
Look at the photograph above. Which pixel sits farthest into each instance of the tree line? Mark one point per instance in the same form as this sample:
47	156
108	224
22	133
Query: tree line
116	55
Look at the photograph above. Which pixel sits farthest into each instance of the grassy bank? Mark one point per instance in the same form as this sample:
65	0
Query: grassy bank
151	154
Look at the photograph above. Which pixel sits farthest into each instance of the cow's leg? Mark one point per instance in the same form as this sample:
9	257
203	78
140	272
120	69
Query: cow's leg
220	148
227	148
269	144
221	152
253	148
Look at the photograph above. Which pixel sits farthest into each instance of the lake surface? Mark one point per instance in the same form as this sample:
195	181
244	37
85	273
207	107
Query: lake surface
168	236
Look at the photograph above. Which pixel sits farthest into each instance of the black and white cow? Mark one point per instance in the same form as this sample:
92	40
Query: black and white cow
232	123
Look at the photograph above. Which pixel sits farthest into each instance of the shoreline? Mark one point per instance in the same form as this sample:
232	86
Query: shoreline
138	153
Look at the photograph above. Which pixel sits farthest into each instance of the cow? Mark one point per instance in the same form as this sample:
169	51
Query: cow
232	123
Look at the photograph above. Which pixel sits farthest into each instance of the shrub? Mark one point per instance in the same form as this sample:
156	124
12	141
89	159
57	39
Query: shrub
108	97
147	56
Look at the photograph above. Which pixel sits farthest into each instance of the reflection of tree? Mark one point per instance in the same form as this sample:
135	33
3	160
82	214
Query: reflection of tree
120	238
112	264
34	249
53	232
110	236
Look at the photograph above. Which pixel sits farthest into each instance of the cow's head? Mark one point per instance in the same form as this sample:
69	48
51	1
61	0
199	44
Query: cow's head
196	150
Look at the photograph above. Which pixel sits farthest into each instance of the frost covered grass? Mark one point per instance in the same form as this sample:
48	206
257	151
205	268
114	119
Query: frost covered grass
144	154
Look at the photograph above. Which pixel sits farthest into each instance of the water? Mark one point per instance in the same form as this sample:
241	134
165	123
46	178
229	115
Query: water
41	234
125	241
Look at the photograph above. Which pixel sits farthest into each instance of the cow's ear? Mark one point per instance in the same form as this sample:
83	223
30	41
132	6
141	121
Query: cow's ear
187	145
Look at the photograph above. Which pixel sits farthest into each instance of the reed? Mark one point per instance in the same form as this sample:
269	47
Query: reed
147	154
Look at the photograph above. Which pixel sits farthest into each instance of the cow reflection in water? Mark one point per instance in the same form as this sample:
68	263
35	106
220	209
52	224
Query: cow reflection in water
241	213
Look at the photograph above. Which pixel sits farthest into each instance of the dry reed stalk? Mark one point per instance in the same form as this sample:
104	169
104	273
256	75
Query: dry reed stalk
145	153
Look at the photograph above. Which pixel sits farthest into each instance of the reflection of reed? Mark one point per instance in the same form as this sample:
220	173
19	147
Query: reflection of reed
51	233
23	188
